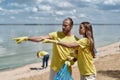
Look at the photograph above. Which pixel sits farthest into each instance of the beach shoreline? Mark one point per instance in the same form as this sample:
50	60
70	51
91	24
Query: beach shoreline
34	71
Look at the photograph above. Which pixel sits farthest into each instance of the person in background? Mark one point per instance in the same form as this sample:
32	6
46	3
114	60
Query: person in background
59	54
86	52
45	58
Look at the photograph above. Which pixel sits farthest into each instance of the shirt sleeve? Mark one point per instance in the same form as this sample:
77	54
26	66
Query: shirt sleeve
83	42
52	35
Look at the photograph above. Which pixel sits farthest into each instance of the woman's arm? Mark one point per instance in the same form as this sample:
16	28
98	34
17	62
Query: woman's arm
69	45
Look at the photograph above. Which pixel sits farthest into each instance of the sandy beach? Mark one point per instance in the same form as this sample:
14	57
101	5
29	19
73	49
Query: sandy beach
107	64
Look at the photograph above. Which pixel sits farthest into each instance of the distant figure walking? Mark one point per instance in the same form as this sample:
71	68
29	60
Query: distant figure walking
45	58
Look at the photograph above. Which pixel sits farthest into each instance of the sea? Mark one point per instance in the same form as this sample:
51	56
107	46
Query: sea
14	55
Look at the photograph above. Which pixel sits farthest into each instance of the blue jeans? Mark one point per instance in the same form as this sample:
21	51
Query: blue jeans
45	61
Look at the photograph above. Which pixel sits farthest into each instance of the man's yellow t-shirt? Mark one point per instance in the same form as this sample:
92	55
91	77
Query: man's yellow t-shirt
85	59
60	53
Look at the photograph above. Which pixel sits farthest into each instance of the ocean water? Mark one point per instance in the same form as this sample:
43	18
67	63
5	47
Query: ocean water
14	55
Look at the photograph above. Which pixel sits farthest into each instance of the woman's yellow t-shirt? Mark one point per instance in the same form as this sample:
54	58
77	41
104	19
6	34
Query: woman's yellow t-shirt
85	59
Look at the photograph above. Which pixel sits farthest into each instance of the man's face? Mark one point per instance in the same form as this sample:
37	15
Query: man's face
66	27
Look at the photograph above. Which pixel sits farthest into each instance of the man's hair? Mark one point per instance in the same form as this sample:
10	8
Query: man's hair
70	19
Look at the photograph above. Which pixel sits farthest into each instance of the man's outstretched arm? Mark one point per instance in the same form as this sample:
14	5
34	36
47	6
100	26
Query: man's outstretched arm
38	38
33	39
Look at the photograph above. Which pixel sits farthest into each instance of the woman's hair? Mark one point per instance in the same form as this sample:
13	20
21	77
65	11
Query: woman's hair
89	35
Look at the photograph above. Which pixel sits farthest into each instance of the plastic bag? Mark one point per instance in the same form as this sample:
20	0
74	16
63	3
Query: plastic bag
63	74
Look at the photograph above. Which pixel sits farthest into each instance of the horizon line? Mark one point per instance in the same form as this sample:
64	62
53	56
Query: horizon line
59	24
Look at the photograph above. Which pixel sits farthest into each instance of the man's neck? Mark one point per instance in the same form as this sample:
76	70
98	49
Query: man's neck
69	34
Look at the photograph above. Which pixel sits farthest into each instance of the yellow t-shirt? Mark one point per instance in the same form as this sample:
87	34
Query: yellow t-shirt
85	59
60	53
42	53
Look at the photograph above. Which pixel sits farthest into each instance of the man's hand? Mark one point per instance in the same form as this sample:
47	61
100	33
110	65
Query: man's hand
20	39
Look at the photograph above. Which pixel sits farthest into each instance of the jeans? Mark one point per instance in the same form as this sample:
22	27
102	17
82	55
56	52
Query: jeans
45	61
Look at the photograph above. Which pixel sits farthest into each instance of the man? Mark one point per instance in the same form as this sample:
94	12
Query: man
60	54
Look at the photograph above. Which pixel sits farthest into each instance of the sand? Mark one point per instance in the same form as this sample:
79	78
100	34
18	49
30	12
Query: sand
107	64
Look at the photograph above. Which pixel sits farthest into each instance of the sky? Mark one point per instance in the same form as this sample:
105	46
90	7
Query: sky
55	11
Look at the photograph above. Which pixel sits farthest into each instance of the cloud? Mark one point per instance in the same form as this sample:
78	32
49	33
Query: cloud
111	2
39	1
44	7
1	9
109	5
1	1
18	5
31	9
82	15
64	4
35	10
60	12
80	3
14	4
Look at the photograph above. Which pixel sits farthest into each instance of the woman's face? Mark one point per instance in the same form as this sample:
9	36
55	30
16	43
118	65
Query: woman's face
82	29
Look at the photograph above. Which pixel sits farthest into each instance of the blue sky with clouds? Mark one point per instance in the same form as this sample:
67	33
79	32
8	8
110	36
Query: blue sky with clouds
54	11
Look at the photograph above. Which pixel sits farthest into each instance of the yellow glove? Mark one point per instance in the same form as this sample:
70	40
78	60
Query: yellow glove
20	39
71	60
68	63
49	41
